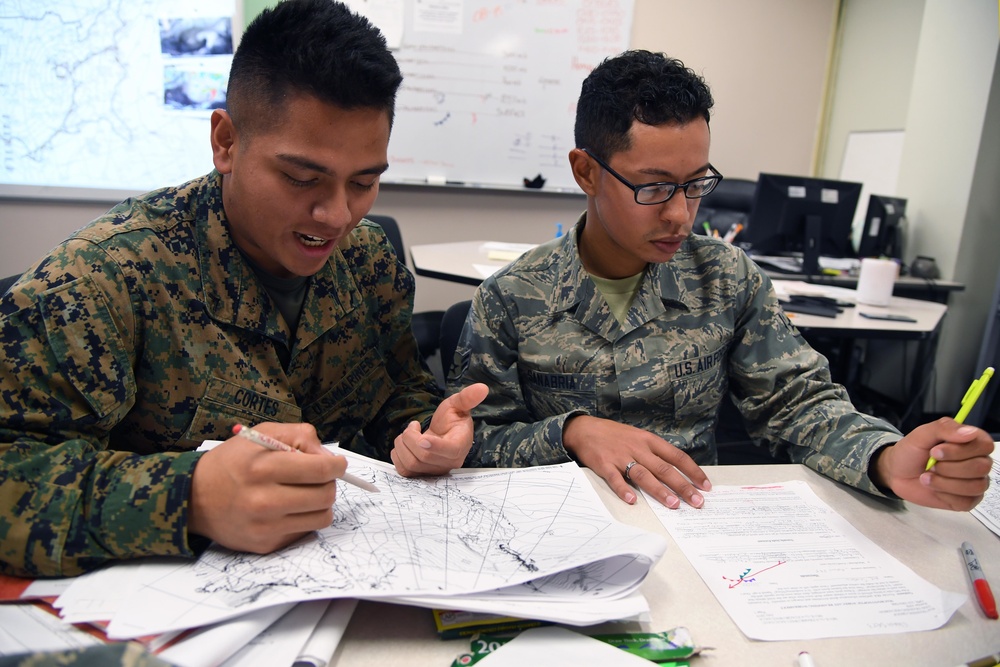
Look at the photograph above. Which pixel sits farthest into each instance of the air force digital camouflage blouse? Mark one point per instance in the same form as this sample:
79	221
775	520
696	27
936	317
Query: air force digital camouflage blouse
702	326
145	334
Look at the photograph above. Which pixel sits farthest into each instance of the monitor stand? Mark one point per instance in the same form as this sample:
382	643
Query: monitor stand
811	245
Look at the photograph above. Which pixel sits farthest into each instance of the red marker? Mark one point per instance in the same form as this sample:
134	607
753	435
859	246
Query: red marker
982	587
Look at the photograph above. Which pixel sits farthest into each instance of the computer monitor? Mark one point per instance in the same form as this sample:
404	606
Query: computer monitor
798	214
882	235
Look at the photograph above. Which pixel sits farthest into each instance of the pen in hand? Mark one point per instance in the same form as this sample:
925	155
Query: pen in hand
268	442
968	402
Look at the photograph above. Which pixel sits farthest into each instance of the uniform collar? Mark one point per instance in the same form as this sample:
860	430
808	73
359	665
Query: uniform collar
661	287
234	295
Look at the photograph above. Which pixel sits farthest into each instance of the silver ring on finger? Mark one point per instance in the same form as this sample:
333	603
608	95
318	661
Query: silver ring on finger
627	469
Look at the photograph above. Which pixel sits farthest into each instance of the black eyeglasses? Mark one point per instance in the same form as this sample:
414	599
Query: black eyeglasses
648	194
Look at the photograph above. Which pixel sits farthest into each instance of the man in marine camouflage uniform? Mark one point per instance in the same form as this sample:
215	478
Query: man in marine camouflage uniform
254	294
616	344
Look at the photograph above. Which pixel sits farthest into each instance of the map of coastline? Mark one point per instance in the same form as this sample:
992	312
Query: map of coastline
110	95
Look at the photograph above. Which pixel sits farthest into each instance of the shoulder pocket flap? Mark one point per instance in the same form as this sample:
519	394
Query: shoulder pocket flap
87	345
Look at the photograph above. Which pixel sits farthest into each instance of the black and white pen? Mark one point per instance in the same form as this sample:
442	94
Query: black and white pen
267	441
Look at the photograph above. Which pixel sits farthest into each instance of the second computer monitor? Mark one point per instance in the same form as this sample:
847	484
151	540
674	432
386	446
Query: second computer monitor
793	214
882	235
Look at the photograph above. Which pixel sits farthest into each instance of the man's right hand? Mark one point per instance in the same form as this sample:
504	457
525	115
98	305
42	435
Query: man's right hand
249	498
660	469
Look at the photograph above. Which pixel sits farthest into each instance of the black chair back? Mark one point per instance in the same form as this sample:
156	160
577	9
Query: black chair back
426	324
5	283
391	229
735	194
451	329
728	205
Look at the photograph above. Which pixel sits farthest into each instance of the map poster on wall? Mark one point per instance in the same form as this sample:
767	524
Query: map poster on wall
100	98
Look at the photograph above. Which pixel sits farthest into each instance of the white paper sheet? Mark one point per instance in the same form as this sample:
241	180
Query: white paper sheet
212	645
24	628
988	509
327	634
786	566
97	595
280	644
46	588
469	532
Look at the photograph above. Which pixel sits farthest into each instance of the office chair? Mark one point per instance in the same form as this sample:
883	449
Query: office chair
730	203
426	325
5	283
451	329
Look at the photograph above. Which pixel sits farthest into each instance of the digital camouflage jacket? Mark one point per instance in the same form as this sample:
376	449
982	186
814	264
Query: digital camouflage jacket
702	327
146	333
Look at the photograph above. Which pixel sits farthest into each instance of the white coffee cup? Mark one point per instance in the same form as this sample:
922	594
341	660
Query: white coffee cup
876	281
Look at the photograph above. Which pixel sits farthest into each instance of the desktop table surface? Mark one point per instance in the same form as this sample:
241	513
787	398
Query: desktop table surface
456	261
925	540
466	261
460	261
928	316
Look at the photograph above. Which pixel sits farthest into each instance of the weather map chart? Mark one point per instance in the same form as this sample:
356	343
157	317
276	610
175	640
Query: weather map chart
535	533
105	95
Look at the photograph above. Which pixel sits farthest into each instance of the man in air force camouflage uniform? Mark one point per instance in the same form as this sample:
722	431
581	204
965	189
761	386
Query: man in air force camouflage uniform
616	344
254	294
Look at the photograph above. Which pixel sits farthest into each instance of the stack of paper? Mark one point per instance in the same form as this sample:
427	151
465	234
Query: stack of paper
305	634
786	566
534	543
988	509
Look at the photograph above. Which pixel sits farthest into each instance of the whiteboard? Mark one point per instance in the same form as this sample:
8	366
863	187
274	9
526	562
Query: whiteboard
871	158
489	91
488	96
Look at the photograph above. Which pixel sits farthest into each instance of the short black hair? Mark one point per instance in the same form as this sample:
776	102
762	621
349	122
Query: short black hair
651	88
314	47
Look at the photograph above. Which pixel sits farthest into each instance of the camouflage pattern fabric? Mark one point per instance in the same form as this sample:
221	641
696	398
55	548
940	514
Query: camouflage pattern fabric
702	326
146	333
129	654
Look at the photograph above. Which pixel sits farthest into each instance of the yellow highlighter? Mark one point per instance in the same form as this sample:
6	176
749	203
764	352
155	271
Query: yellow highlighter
968	402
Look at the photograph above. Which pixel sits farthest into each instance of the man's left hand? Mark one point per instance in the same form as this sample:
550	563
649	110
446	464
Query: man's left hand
446	442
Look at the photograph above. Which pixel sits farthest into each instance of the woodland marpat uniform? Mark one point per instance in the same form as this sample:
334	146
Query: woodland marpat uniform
702	325
146	333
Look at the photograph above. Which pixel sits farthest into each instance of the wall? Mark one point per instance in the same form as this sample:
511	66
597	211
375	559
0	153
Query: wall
926	66
760	56
766	62
877	51
930	68
948	151
979	263
874	73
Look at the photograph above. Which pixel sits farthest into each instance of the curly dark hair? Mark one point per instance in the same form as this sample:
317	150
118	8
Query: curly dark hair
651	88
314	47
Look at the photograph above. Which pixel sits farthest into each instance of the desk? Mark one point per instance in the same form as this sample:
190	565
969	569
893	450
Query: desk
455	262
850	323
849	326
467	262
906	286
459	261
927	541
